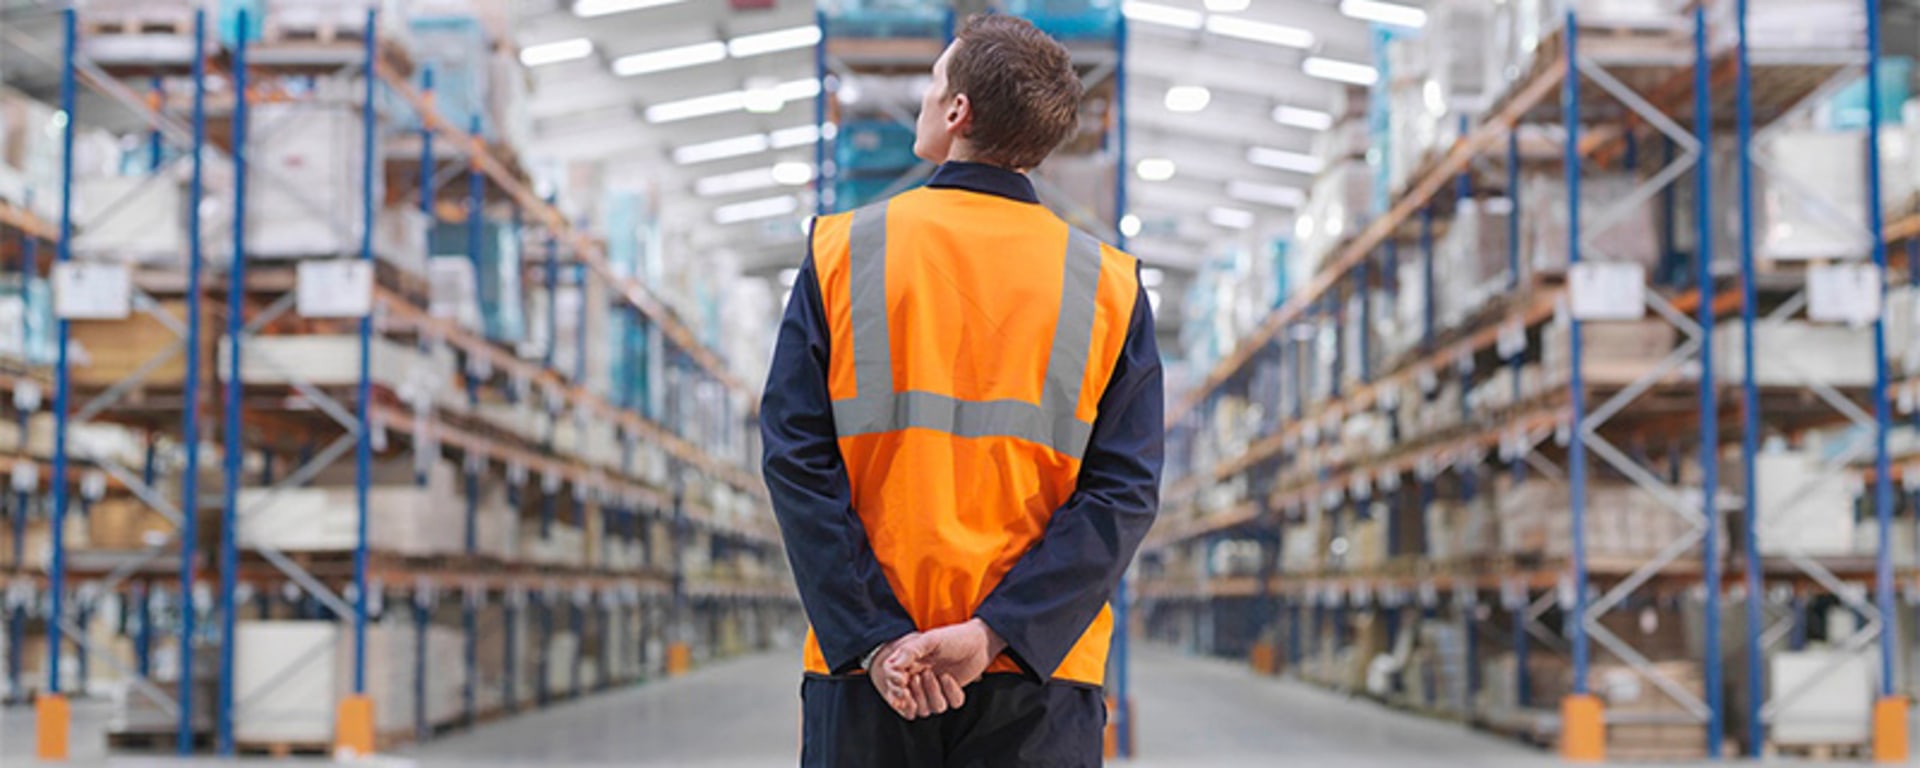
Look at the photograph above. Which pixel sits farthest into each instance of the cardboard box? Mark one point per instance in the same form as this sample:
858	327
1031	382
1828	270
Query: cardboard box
112	350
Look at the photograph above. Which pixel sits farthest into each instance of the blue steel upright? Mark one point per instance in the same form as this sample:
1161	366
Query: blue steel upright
232	445
1882	417
363	443
190	416
1749	389
63	384
1576	445
1709	395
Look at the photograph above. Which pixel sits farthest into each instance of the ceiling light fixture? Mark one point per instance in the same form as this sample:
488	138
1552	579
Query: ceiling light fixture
1391	14
735	183
1260	32
1152	277
765	208
1230	218
1155	169
773	42
1228	6
1309	119
800	136
588	9
1188	98
758	100
1163	15
670	59
1130	227
1340	71
793	173
556	52
1297	162
1266	194
739	146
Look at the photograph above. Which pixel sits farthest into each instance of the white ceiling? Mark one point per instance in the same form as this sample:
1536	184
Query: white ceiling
585	114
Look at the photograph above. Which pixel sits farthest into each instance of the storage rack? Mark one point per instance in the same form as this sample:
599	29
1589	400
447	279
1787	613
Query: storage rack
1297	469
1097	38
633	605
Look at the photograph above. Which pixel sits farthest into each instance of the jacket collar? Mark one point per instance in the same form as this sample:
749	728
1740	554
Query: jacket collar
985	179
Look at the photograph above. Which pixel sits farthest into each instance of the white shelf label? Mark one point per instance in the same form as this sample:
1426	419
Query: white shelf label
25	477
1844	293
1608	291
91	291
335	288
1512	341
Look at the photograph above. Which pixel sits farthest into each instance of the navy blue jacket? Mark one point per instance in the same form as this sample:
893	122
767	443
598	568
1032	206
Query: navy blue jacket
1053	593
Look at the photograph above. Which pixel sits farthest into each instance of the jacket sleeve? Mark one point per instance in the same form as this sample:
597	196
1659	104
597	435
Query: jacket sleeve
842	587
1050	597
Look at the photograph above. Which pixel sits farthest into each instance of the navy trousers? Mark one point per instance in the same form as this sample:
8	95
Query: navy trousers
1008	722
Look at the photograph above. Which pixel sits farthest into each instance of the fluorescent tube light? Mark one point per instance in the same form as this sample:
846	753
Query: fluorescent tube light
670	59
1228	6
1391	14
1260	32
556	52
1310	119
1152	277
1284	160
798	136
766	208
773	42
793	174
1155	169
1340	71
733	101
1163	15
699	106
735	183
588	9
738	146
1188	98
1230	218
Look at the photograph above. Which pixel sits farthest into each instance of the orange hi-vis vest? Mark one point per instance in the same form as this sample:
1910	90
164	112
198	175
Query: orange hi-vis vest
972	337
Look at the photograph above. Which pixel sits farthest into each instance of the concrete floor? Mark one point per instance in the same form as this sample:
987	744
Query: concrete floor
744	714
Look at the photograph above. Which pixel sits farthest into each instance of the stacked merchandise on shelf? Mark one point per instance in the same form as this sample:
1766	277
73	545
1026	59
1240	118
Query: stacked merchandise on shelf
870	157
886	18
293	673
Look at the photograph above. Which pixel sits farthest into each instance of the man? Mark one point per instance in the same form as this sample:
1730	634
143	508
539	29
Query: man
963	440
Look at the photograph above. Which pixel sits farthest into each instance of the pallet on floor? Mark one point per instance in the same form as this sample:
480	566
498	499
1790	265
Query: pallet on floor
155	741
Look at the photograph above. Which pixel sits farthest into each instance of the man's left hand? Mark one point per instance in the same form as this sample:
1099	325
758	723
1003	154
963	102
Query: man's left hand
935	666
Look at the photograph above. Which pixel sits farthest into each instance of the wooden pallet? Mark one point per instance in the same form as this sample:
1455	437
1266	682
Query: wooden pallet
1816	752
155	741
134	24
276	31
284	749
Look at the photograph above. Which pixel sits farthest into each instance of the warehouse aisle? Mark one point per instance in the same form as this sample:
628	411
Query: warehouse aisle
1194	714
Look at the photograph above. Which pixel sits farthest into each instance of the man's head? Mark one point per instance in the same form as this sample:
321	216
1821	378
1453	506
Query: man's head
1003	94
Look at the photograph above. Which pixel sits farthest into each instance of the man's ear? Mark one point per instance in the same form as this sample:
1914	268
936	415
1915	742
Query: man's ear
960	113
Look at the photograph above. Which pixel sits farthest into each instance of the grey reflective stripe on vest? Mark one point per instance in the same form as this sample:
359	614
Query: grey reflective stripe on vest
877	408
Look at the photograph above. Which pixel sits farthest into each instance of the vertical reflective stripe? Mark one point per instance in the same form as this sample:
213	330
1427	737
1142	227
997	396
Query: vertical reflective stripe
1073	338
879	408
872	334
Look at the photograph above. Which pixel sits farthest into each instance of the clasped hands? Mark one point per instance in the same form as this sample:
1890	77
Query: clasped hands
925	673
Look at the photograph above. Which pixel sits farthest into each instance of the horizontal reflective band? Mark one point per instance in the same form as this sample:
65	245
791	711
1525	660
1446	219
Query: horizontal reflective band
877	414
